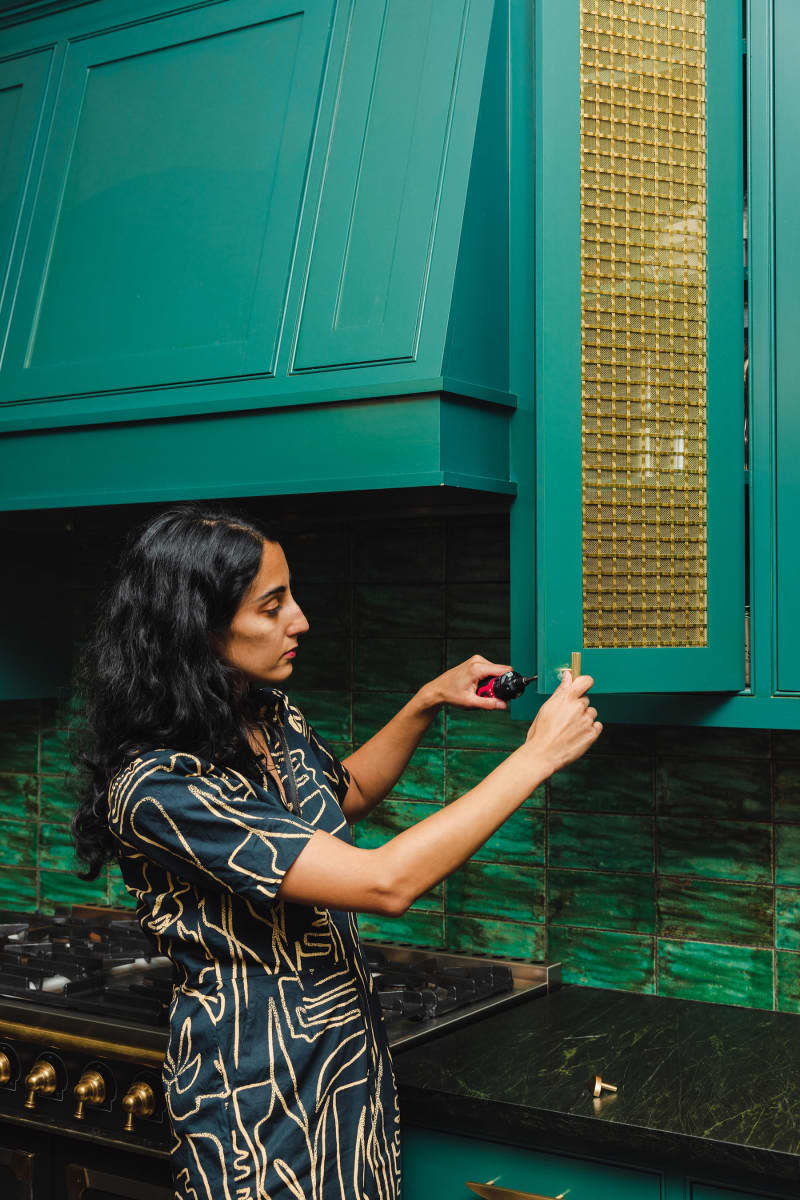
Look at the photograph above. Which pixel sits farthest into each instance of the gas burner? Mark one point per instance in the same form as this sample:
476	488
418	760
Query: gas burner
429	988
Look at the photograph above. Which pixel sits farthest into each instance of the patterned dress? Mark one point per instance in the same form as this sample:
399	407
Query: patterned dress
278	1078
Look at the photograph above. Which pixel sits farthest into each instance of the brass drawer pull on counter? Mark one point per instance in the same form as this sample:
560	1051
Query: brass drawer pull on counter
596	1086
490	1191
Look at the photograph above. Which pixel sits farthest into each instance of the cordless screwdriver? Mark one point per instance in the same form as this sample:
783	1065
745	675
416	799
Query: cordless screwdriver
507	686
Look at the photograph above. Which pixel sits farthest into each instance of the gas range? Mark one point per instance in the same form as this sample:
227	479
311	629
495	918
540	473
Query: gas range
84	1003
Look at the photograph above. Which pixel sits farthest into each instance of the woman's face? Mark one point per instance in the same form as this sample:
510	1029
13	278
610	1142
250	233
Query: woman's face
263	633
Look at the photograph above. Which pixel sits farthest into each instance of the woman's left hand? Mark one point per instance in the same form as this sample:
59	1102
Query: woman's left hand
458	686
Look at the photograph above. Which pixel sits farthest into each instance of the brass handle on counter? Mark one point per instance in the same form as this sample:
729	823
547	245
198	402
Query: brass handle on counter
90	1089
5	1069
138	1101
40	1080
596	1086
490	1191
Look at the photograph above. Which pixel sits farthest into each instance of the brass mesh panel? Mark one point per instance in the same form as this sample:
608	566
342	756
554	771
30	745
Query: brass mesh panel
643	301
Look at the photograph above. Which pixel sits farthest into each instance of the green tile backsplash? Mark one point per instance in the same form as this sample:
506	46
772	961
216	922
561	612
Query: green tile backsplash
666	861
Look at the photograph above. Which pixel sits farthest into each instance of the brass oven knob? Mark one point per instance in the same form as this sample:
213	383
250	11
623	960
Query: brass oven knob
5	1069
41	1079
138	1101
90	1089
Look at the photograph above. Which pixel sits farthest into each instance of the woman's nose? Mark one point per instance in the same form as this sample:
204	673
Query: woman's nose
298	623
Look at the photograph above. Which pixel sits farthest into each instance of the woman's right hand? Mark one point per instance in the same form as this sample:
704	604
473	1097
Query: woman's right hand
566	724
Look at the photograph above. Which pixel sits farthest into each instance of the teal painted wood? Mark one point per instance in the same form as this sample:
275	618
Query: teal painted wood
167	210
439	1164
720	665
787	343
22	93
522	275
399	442
232	369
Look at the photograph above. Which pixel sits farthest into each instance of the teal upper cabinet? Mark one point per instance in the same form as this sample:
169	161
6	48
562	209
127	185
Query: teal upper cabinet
165	227
250	203
787	343
639	384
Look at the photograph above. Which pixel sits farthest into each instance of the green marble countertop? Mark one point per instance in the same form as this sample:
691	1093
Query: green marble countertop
700	1085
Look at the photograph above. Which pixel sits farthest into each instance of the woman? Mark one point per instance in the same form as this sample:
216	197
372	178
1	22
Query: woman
229	816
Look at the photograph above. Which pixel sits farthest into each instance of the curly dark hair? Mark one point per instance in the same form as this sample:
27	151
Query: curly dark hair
149	676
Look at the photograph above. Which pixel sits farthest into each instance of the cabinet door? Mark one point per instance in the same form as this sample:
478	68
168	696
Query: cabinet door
787	342
440	1165
639	376
166	217
400	116
22	88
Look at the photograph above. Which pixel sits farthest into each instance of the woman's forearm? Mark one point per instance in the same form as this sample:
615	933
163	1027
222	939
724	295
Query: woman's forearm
378	764
420	857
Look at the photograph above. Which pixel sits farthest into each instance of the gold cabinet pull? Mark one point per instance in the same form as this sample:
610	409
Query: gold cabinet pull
597	1087
490	1191
40	1081
138	1101
90	1089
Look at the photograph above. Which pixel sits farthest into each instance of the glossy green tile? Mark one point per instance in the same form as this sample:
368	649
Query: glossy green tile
327	607
382	663
63	887
707	742
493	649
520	839
17	889
591	899
385	610
500	890
603	958
414	928
478	550
388	819
467	768
395	554
318	556
788	998
19	796
19	741
56	848
118	894
623	740
714	973
57	801
786	743
787	918
322	662
705	910
787	791
714	788
18	840
499	939
481	730
739	850
373	710
612	784
55	754
423	778
327	712
601	841
787	855
479	610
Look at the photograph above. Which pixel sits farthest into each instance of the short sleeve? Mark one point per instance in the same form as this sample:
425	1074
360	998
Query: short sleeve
333	768
211	827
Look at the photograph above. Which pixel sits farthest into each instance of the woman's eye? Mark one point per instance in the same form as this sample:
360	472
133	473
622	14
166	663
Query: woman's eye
273	612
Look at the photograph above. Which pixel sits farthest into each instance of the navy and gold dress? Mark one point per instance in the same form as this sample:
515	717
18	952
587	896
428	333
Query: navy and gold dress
278	1078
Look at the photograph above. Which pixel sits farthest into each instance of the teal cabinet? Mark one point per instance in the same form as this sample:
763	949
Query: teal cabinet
167	209
787	346
441	1165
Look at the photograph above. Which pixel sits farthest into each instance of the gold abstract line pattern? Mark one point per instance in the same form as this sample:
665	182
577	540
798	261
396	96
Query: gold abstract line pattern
643	322
277	1078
